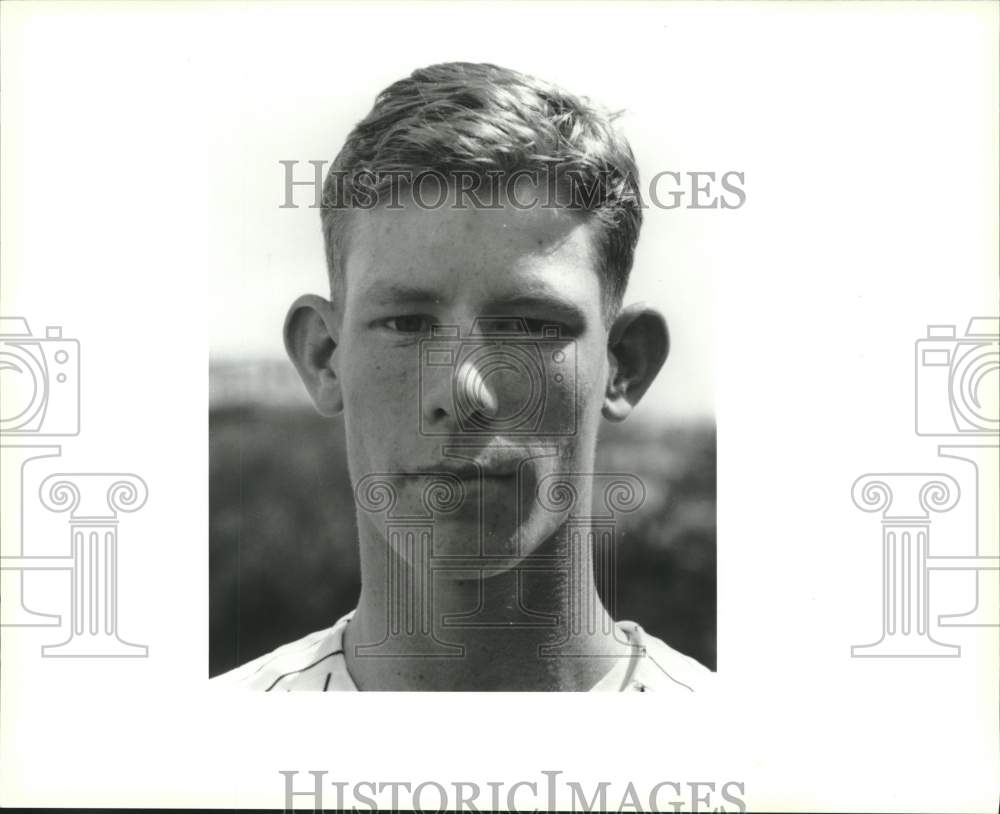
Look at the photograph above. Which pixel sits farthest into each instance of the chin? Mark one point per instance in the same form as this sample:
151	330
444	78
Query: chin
503	539
490	519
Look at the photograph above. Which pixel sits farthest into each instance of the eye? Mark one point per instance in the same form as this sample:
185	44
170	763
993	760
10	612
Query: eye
540	327
408	324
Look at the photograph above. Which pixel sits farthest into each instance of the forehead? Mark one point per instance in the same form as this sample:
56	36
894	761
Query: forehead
472	253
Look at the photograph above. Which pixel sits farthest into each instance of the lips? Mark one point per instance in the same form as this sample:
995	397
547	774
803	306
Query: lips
488	462
473	470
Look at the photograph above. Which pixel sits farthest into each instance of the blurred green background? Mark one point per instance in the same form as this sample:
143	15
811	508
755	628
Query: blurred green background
283	557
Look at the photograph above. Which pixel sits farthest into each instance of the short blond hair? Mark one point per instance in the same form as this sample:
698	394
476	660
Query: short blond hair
491	123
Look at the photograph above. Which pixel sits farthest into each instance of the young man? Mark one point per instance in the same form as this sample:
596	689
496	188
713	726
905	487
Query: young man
480	227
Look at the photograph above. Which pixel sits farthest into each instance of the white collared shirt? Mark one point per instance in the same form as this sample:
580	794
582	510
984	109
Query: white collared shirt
316	662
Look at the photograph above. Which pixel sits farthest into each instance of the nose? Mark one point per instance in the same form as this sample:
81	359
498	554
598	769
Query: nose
460	396
473	390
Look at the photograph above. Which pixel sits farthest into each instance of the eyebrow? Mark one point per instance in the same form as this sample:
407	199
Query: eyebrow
541	301
546	303
385	293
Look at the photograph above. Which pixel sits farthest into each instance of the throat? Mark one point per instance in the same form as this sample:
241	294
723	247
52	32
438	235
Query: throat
485	635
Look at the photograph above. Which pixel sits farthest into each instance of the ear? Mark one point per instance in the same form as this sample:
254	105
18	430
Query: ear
311	330
638	344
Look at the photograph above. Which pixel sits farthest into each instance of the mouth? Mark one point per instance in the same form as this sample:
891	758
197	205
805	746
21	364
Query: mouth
494	464
471	472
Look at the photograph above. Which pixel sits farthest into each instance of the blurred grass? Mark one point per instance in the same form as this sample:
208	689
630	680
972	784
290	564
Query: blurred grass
283	557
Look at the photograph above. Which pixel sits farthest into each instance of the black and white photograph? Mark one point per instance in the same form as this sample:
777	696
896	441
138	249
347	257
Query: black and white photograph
481	406
469	375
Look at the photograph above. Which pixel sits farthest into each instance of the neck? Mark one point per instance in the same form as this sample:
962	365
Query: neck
419	627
